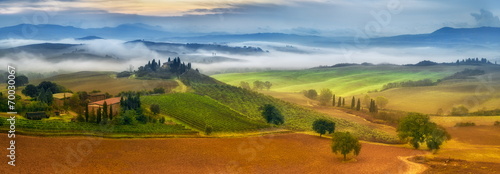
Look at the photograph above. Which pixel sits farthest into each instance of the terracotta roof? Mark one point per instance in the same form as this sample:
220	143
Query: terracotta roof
109	101
61	95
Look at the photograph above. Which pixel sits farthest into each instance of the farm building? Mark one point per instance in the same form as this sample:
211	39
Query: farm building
59	98
36	115
96	97
113	102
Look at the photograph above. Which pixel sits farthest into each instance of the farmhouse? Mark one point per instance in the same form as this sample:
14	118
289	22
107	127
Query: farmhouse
96	97
113	102
59	98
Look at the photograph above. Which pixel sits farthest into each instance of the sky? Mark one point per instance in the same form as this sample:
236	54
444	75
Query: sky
312	17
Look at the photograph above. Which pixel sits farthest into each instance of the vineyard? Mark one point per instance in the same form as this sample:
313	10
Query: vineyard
296	118
78	128
200	111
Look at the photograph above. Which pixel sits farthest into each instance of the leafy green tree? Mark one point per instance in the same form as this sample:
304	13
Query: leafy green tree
459	111
49	98
80	118
21	80
382	101
325	96
128	118
436	137
208	130
258	85
312	94
322	126
30	90
162	120
272	114
358	106
417	128
345	143
268	85
42	96
245	85
155	108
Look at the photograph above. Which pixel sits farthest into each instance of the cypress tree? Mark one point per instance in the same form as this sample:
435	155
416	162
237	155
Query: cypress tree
99	115
358	107
104	112
343	101
86	113
333	103
339	102
110	112
353	103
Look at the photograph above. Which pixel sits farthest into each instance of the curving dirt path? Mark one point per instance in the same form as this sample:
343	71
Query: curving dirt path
412	168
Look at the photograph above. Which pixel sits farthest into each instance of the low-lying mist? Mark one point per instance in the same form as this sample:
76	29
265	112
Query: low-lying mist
279	56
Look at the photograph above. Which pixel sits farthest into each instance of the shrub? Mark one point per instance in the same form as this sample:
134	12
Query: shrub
465	124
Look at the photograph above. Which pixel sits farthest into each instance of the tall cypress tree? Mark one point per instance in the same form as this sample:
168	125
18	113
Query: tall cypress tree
358	107
343	101
99	115
339	102
86	113
353	103
333	103
110	112
105	112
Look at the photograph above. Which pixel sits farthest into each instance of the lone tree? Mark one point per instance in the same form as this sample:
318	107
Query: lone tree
322	126
155	108
272	114
325	96
381	101
345	143
416	128
268	85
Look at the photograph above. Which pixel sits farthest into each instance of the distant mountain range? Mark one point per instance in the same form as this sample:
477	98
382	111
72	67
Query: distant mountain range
55	32
483	37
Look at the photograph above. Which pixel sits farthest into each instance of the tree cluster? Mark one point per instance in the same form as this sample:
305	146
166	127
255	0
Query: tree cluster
154	69
260	85
410	83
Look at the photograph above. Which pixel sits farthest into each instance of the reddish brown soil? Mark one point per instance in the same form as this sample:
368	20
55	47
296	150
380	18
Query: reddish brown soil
285	153
481	135
453	166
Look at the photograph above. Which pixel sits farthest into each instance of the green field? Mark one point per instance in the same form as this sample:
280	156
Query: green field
199	111
476	93
297	118
349	80
60	127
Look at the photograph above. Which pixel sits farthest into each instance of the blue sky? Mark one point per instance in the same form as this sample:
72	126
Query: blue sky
316	17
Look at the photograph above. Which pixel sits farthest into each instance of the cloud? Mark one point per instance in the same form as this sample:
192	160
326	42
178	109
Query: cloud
486	19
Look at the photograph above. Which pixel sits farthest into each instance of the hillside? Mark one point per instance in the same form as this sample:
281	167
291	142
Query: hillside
202	111
297	118
359	80
105	82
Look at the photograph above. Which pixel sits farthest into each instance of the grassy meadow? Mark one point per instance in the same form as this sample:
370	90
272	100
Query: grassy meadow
479	92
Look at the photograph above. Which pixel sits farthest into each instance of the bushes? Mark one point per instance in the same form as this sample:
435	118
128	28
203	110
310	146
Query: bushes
465	124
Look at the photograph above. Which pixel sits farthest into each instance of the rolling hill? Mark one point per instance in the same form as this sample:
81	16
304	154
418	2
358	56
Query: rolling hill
475	93
105	82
